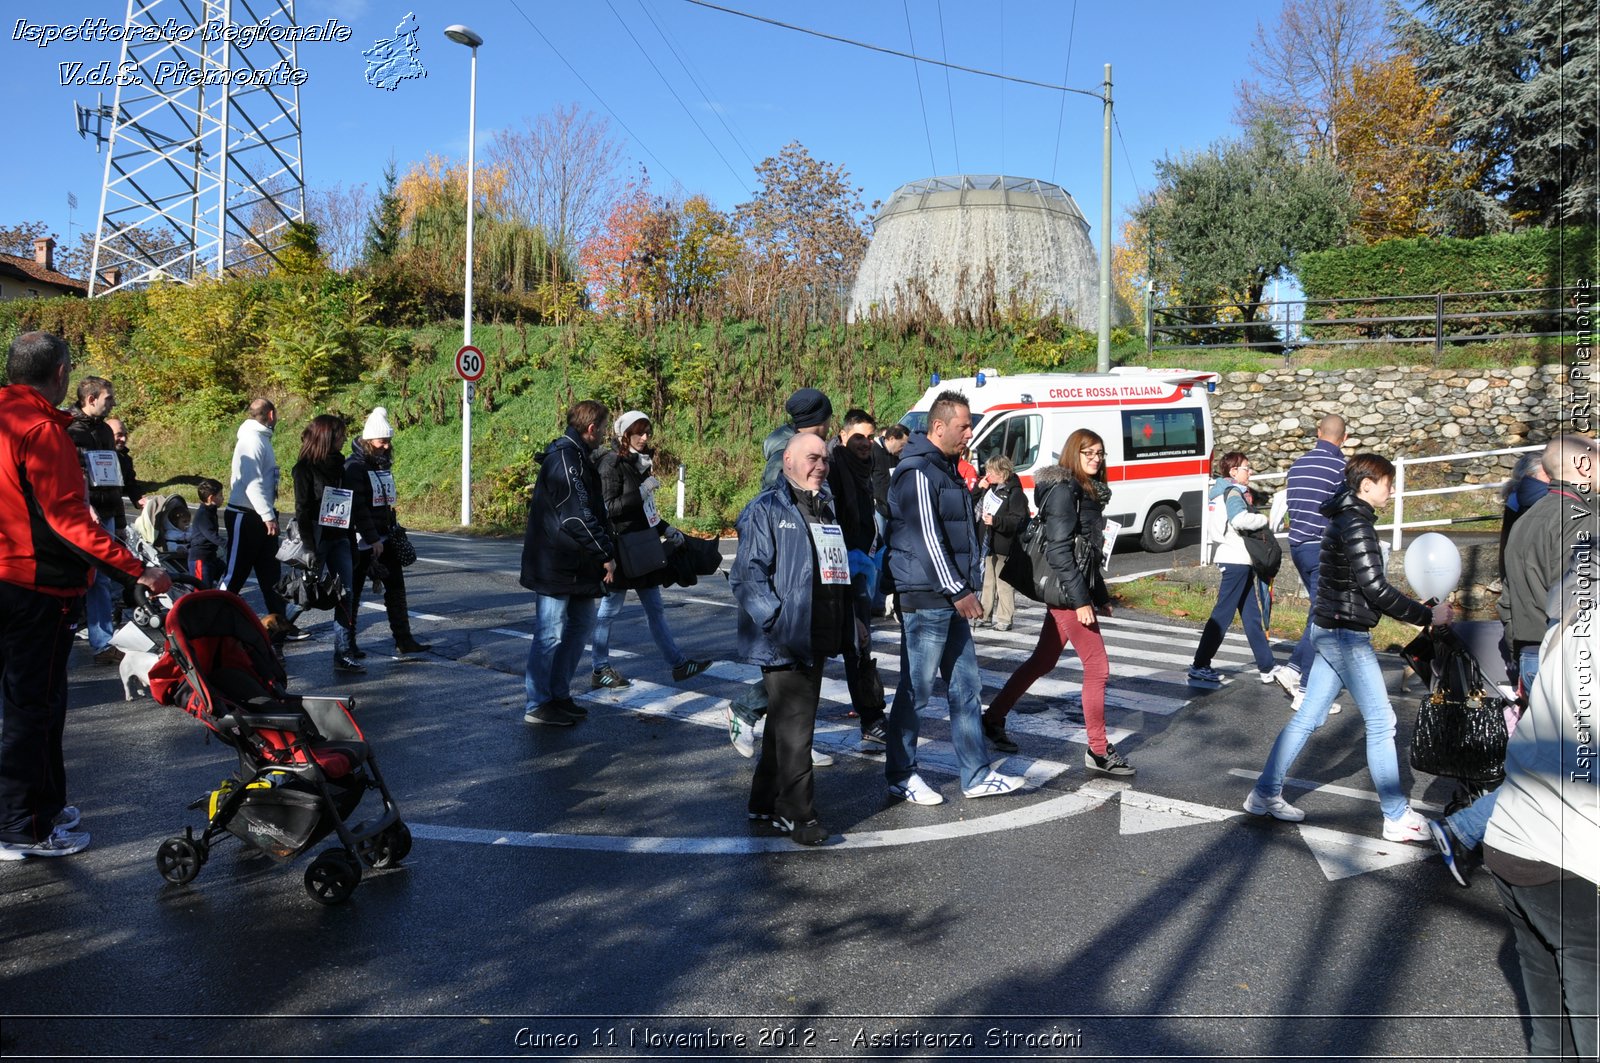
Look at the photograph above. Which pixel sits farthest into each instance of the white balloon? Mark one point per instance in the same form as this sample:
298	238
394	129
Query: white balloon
1433	565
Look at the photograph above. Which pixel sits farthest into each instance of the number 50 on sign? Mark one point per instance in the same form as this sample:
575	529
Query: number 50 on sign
469	363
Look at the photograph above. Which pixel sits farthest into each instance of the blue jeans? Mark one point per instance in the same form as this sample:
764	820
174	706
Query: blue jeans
563	624
1236	595
99	605
335	551
655	616
934	641
1527	668
1345	659
1307	559
1469	824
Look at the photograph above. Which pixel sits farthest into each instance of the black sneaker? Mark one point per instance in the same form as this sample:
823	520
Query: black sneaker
689	668
608	678
295	634
405	647
996	734
874	739
811	832
1113	763
345	662
572	708
550	714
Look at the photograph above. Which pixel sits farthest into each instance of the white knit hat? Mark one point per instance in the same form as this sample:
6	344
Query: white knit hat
628	420
377	426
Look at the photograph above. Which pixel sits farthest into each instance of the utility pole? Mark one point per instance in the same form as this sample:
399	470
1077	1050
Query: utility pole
1103	363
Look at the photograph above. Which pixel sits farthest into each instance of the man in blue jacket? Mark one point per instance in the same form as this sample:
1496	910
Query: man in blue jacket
1316	476
791	578
568	563
936	565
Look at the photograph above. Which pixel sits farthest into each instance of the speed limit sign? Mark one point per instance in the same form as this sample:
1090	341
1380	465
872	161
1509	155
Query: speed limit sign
469	363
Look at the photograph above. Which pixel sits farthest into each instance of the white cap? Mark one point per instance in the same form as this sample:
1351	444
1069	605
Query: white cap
377	426
628	420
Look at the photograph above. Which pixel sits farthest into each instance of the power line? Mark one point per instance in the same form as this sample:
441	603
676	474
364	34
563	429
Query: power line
629	30
893	51
1071	29
949	97
917	70
598	98
738	140
1117	125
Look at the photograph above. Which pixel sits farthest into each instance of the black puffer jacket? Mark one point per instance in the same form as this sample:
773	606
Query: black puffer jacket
92	433
1009	519
1352	591
1068	513
310	481
621	476
568	540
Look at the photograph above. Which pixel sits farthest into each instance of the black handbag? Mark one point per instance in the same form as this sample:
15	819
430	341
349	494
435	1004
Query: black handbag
1461	728
866	689
1028	571
1266	553
322	589
640	553
400	545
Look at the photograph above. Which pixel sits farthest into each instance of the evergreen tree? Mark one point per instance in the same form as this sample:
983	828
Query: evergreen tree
1518	78
387	221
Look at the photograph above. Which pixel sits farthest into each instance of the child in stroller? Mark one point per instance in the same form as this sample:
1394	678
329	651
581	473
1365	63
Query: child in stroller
160	534
304	764
162	524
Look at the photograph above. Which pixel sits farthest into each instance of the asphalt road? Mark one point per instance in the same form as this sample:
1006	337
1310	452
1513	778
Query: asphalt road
602	883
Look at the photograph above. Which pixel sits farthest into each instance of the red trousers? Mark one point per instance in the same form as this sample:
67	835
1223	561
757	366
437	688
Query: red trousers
1060	627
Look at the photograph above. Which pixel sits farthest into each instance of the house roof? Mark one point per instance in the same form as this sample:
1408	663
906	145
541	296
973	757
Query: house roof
28	269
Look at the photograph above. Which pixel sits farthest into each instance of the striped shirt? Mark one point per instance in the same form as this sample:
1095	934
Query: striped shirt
1313	479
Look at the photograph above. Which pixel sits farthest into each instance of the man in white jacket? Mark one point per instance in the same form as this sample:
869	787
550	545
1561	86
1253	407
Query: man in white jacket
1543	841
252	514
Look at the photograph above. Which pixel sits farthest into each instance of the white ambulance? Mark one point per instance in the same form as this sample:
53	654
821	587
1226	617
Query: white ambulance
1156	424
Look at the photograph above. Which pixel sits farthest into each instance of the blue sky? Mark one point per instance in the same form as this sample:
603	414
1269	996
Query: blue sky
1175	66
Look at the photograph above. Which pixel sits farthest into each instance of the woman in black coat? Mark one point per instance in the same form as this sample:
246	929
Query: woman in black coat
629	491
1001	508
1072	498
322	512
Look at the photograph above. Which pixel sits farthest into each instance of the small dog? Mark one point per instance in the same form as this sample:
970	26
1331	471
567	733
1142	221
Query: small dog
277	632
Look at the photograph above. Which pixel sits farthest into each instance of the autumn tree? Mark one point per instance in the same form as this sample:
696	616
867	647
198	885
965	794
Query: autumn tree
654	257
1518	79
804	235
561	173
614	255
1228	219
1397	152
340	214
1303	62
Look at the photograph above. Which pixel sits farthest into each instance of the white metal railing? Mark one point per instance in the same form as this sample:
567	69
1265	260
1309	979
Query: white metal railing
1400	495
1400	466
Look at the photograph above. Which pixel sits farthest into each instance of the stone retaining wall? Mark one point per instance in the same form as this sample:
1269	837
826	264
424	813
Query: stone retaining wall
1410	411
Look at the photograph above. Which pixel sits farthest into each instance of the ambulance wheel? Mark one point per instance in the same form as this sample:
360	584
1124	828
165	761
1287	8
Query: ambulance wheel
333	876
179	860
1161	529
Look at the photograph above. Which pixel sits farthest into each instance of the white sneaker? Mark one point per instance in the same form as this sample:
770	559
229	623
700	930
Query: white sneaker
1411	827
741	734
916	791
1299	699
1286	677
1275	806
993	785
819	759
60	843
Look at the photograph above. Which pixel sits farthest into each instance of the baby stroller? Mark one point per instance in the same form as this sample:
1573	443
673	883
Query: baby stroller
304	765
140	638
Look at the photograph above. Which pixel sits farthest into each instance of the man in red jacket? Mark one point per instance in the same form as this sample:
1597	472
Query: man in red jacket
50	543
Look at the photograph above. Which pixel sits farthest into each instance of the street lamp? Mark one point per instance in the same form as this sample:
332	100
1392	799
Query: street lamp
463	35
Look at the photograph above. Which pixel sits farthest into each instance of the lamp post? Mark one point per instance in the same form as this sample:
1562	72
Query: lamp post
463	35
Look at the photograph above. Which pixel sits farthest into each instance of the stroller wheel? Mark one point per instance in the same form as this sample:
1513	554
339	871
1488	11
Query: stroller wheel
388	848
179	860
333	876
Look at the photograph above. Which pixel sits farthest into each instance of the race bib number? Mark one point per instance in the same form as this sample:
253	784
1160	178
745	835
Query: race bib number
833	559
1113	529
336	503
647	493
104	468
382	487
992	503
